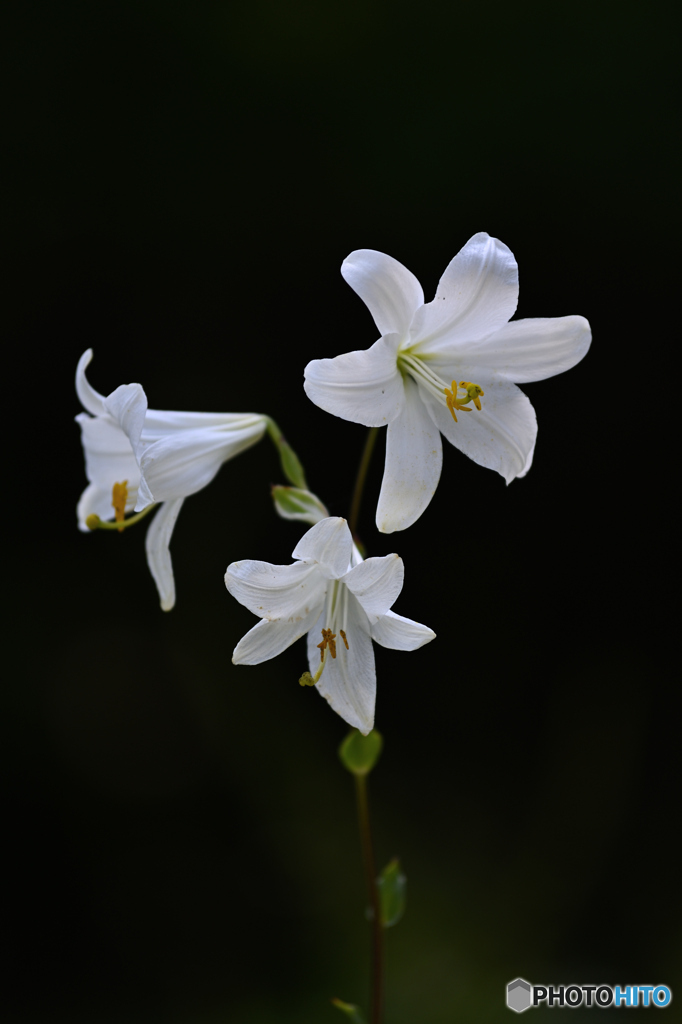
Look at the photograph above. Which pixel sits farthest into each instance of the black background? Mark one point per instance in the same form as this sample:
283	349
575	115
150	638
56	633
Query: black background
184	182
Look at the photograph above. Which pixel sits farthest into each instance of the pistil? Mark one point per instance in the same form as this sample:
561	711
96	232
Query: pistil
93	521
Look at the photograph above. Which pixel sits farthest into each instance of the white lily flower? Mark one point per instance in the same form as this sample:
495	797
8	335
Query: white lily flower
434	360
136	457
341	602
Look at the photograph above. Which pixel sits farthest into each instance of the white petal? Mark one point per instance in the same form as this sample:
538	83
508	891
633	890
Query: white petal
183	462
348	681
94	501
268	639
313	639
328	543
390	291
109	458
362	386
127	406
501	436
400	634
526	350
145	496
283	592
157	544
160	422
476	295
376	583
89	398
414	456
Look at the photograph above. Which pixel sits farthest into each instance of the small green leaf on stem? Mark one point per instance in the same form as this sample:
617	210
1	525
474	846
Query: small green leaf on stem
392	884
352	1012
360	753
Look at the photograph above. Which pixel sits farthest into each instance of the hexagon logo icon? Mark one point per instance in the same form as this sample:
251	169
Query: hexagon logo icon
518	995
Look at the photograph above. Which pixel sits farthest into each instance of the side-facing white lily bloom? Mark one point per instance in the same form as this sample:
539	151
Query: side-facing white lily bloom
448	366
136	457
341	602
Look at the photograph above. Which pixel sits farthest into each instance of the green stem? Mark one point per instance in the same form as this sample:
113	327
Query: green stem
360	479
376	1008
291	464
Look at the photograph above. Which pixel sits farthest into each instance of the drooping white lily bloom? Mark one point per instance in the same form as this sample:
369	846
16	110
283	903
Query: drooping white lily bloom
434	360
135	457
341	602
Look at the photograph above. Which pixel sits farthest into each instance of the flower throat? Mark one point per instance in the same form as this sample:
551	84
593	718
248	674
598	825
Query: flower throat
457	396
336	607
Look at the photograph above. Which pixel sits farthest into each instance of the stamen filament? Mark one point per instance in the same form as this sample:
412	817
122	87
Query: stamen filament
418	370
431	382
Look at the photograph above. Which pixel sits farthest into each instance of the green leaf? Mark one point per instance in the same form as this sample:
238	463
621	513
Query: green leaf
360	753
352	1012
392	884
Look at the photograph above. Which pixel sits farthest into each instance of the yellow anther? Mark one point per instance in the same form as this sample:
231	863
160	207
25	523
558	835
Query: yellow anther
118	502
342	634
328	640
450	402
323	645
473	391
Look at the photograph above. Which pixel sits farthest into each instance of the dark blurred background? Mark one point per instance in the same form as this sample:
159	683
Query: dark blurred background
184	182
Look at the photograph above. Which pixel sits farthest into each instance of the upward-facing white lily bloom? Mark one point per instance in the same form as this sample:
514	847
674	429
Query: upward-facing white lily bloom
135	457
448	366
341	602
